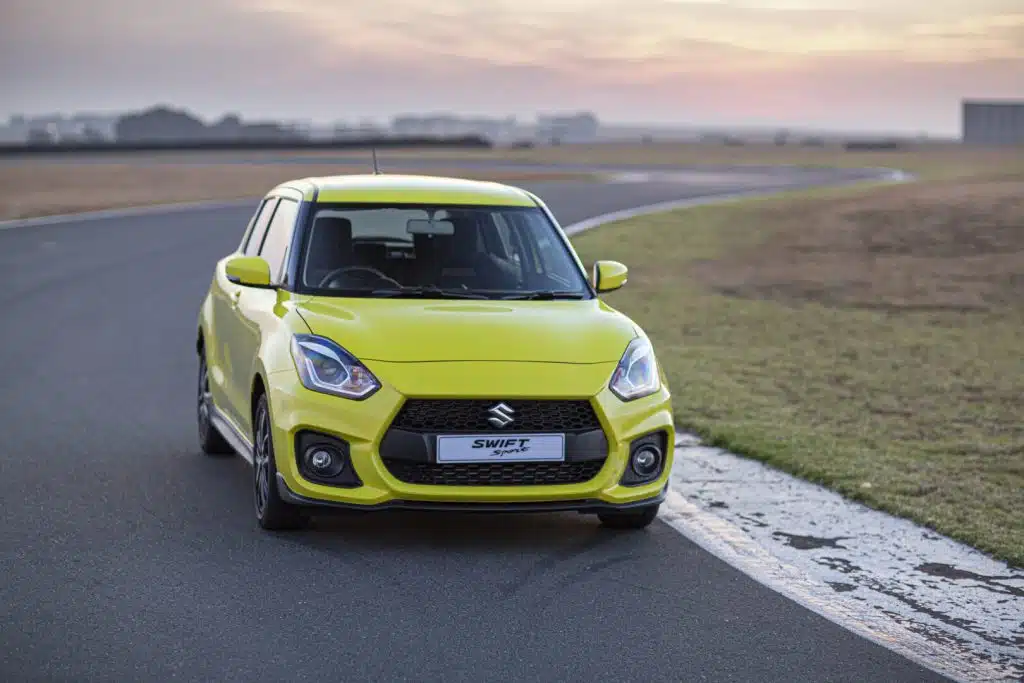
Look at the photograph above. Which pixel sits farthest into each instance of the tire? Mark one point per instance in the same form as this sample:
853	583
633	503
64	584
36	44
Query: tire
211	442
629	519
272	513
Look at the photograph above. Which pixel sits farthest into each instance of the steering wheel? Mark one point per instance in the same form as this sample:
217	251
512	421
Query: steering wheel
337	272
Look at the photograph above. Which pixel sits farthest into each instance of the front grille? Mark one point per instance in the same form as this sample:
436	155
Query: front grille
494	473
470	415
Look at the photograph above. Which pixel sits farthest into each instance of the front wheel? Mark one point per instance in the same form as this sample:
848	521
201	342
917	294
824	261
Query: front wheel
272	513
640	518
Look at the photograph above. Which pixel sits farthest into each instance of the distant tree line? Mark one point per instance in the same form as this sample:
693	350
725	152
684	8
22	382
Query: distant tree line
162	124
162	127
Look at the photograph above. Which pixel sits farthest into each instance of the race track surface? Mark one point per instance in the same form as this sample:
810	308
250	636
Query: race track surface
128	556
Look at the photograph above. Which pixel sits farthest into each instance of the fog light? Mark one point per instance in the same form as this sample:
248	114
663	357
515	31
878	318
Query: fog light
646	460
320	460
324	461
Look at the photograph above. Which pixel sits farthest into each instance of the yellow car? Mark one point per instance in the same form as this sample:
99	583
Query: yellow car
386	341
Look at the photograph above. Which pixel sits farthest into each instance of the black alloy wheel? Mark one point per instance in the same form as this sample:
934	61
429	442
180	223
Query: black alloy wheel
211	441
272	513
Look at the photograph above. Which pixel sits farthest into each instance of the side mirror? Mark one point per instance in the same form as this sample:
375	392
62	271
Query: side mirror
248	271
609	275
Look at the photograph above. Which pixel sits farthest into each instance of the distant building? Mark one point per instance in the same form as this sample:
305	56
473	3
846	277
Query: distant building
159	124
993	122
166	125
58	128
449	125
567	128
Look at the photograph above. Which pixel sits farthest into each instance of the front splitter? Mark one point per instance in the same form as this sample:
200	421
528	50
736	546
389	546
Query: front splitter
584	506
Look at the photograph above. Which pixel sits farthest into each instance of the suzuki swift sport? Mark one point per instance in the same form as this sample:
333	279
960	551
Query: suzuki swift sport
383	341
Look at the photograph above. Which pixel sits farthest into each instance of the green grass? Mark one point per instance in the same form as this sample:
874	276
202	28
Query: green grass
917	413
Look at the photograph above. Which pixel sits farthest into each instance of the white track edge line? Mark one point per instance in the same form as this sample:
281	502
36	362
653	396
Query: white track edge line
885	175
736	548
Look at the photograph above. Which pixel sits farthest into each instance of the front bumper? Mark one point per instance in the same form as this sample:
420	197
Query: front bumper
364	425
585	506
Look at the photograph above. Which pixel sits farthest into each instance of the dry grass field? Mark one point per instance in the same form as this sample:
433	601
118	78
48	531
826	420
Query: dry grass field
46	188
933	159
868	339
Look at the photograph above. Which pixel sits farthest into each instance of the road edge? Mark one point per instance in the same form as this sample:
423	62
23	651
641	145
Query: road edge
126	212
883	175
730	544
736	548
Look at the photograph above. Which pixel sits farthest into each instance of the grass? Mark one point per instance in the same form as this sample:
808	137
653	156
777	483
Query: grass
867	340
36	188
47	188
935	160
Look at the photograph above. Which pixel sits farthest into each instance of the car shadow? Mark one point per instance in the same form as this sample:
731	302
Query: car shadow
421	532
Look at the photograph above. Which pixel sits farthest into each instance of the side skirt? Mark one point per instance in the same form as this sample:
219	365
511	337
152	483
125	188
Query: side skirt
231	434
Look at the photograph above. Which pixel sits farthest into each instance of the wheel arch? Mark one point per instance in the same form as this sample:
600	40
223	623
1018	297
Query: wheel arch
258	388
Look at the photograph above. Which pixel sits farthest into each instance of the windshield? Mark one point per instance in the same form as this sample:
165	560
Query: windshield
438	251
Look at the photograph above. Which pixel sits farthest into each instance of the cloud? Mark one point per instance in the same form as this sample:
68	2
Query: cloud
660	59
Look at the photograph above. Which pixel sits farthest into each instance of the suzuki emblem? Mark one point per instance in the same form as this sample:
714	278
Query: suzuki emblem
502	415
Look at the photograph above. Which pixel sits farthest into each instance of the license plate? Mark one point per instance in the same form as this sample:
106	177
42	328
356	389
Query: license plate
505	448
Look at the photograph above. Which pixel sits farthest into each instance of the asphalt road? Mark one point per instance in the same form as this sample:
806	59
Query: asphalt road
126	555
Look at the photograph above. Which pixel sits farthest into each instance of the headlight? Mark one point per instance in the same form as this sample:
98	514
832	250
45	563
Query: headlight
636	375
326	367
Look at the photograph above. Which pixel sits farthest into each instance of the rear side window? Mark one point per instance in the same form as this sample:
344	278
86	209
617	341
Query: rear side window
259	228
279	236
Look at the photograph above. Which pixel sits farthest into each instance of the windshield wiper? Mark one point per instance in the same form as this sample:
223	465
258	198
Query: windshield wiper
424	292
545	294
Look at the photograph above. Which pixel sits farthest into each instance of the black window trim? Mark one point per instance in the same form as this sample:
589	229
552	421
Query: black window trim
283	277
250	229
309	207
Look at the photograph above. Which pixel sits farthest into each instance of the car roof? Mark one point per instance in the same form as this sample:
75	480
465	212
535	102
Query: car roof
408	189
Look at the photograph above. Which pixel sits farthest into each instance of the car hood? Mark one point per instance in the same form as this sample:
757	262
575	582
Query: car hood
421	330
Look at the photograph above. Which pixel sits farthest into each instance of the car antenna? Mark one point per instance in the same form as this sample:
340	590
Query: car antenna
376	168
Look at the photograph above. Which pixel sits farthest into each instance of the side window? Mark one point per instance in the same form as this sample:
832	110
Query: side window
259	228
279	236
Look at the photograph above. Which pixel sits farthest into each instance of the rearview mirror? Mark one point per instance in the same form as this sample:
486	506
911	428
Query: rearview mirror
249	271
609	275
425	226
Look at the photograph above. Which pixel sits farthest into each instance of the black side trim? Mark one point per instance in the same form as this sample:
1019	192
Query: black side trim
587	506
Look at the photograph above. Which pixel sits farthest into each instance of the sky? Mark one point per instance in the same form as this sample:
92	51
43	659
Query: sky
886	65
